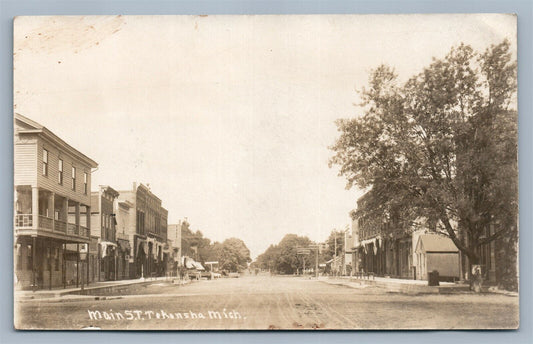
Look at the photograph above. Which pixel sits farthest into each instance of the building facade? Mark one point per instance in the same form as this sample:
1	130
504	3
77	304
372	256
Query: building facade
123	210
52	183
103	226
498	258
147	232
174	237
381	247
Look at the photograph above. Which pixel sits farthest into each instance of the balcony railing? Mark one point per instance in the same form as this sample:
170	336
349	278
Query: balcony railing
60	226
72	229
85	232
45	222
48	224
23	220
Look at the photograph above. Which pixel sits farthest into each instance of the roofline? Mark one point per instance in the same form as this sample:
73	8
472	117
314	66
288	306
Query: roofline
149	191
40	129
126	203
108	188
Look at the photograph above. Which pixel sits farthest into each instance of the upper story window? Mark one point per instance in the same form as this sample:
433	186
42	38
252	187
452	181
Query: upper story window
85	181
60	175
73	178
45	162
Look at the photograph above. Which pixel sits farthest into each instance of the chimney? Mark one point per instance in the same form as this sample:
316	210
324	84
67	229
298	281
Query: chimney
134	186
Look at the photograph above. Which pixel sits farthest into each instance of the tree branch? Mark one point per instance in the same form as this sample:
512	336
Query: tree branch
492	237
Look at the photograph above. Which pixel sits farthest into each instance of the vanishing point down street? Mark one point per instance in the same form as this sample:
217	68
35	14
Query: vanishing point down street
267	302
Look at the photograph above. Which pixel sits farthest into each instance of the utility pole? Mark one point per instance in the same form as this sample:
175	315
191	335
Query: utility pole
335	255
343	260
344	256
316	263
303	251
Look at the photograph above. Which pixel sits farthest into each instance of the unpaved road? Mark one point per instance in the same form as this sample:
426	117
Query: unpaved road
265	302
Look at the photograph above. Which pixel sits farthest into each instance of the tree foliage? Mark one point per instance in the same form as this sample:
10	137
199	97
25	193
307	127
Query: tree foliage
283	257
441	146
232	255
334	237
193	244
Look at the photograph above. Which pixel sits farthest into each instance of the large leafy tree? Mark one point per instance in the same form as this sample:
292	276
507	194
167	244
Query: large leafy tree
268	259
232	255
289	261
194	244
441	146
284	258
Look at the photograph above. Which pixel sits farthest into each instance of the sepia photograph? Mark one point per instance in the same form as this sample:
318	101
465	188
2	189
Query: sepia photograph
265	172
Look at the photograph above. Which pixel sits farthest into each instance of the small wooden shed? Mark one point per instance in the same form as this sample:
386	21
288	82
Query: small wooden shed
437	252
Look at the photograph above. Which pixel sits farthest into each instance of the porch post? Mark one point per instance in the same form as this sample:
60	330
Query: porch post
33	261
52	207
64	266
35	207
50	264
77	217
77	265
88	216
87	261
99	261
88	225
64	214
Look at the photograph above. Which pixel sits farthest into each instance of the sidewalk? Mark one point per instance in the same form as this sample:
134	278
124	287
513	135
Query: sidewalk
76	293
405	286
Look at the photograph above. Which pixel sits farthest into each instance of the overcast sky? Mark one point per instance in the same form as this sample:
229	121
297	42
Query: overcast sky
228	118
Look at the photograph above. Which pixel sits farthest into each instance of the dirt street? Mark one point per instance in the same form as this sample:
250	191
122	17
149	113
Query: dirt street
265	302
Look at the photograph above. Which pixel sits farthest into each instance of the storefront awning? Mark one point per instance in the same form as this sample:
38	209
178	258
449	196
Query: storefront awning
189	264
105	246
376	241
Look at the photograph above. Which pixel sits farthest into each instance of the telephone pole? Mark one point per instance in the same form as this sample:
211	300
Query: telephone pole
316	262
335	256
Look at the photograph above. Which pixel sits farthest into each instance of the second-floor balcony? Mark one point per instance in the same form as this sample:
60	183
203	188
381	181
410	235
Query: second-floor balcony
25	222
41	212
